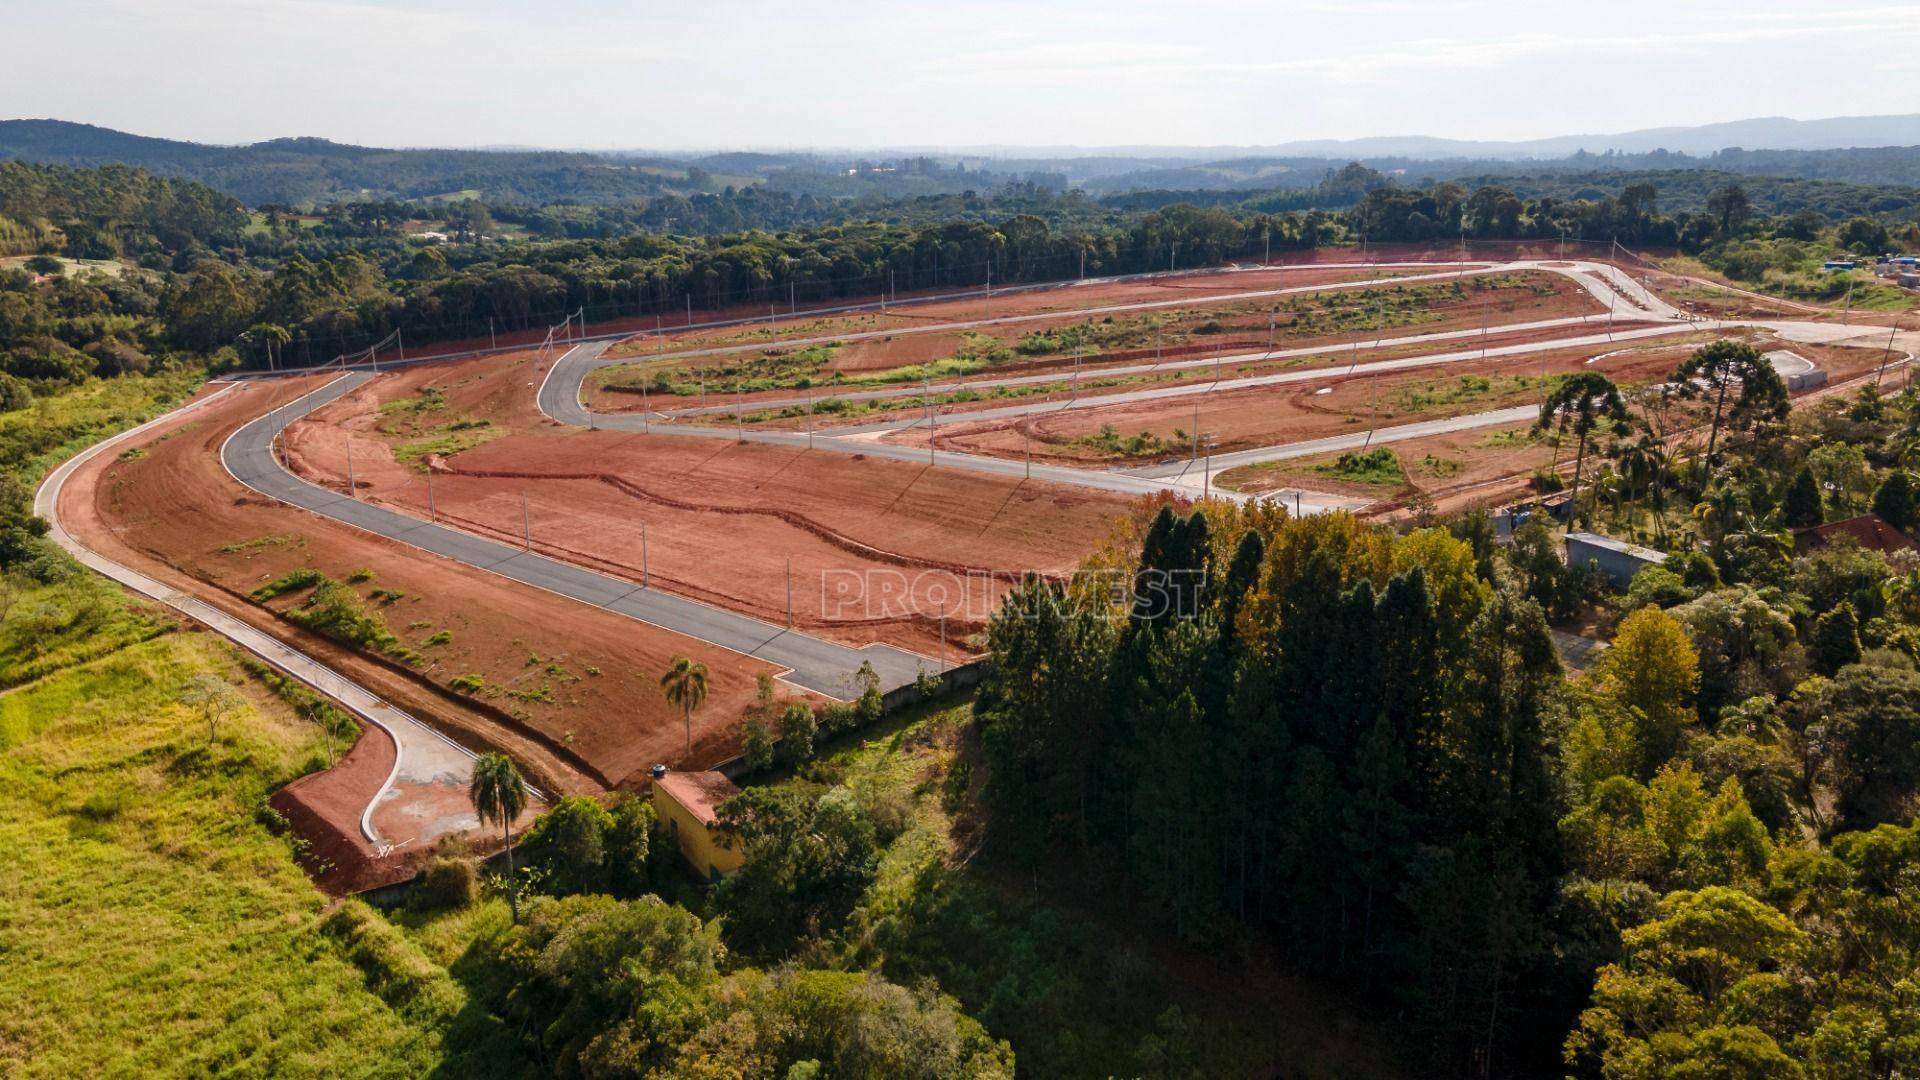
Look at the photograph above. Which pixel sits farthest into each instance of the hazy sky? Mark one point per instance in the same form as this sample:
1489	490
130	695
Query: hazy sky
733	73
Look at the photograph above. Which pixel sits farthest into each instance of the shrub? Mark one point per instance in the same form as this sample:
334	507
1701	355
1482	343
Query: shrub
797	730
446	884
304	578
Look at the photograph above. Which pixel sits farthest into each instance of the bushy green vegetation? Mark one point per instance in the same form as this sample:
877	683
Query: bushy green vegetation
1380	466
1108	440
335	609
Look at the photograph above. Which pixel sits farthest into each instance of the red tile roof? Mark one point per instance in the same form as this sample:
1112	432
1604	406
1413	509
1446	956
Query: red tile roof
1867	530
699	792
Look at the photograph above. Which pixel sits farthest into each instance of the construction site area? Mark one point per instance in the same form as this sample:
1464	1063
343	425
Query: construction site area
519	543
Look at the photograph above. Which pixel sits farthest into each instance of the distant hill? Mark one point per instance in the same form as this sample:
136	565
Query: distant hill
300	172
1763	133
305	172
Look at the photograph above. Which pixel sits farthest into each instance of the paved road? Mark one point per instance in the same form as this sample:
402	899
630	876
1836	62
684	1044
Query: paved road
559	398
429	769
948	386
1469	270
812	662
1350	441
1129	397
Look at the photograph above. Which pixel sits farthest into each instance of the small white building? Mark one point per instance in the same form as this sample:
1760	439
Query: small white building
1617	559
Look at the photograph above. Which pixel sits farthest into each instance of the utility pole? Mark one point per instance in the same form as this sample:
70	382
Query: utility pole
943	640
933	418
353	487
526	522
492	341
989	290
1486	317
739	414
1026	450
789	592
1373	410
432	514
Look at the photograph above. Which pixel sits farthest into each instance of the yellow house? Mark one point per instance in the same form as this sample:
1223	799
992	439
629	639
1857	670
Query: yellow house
685	802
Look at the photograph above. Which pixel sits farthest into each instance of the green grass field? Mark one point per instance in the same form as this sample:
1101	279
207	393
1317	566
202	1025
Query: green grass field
152	920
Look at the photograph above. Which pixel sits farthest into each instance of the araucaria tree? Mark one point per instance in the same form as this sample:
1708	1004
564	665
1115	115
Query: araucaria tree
1581	403
499	796
685	685
1732	369
1311	729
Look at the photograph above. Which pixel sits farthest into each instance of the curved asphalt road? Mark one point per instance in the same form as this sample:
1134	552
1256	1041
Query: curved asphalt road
427	766
817	664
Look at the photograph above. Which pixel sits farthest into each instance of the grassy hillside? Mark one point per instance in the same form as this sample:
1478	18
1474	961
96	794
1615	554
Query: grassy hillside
315	171
152	917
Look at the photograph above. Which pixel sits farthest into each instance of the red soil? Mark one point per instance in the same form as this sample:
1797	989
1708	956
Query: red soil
1066	296
324	809
1486	467
1244	334
175	514
1288	412
879	548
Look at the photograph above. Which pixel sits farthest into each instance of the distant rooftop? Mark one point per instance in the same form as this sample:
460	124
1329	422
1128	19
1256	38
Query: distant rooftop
1869	531
1621	546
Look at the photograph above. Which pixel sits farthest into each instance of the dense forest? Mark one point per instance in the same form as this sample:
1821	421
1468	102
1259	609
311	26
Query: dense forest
276	287
1358	747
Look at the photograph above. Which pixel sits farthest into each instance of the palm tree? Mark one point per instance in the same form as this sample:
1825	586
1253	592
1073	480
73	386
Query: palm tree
1902	593
1642	464
499	795
685	684
1581	402
1719	513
